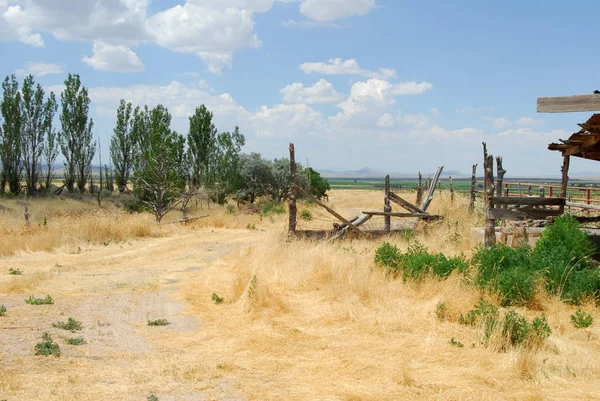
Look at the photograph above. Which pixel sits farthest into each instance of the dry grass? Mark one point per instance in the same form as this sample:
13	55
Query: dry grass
300	320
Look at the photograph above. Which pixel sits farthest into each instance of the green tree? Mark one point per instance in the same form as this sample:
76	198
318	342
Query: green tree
36	119
318	185
10	140
202	144
122	145
228	172
257	176
75	137
159	174
50	152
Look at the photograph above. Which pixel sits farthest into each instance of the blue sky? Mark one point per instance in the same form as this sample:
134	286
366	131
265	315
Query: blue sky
394	85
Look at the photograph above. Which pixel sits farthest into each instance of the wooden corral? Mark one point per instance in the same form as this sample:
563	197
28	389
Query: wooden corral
352	225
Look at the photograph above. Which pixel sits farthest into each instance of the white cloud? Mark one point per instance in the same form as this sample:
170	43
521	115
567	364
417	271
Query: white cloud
287	120
434	111
412	88
377	90
474	109
321	92
337	66
307	24
529	122
39	69
114	58
386	121
331	10
500	123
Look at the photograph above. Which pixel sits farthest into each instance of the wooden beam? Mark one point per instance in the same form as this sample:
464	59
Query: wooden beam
521	214
330	210
567	104
396	214
405	204
534	201
583	206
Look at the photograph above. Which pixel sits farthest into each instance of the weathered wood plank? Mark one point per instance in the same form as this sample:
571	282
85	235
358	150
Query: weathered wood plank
330	210
533	201
429	198
583	206
524	213
357	221
396	214
567	104
405	204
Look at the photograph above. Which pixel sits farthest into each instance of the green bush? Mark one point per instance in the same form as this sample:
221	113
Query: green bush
2	310
47	346
388	255
217	299
483	314
39	301
158	322
15	272
72	325
273	207
306	214
581	319
517	331
75	341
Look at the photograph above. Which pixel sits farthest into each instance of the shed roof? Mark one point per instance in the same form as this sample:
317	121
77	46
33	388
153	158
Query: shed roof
585	143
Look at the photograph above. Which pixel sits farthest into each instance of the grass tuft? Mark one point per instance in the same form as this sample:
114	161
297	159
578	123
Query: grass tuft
39	301
47	346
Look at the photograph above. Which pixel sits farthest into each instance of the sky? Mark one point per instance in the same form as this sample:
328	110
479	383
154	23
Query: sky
398	86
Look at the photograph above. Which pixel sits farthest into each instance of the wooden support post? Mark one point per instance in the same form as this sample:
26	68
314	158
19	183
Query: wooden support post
520	191
530	190
500	172
550	194
565	180
451	191
542	191
419	190
387	207
473	184
490	223
431	192
293	192
588	197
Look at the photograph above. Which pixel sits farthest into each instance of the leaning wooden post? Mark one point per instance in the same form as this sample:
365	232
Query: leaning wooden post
565	180
293	192
473	184
387	208
490	223
419	190
500	172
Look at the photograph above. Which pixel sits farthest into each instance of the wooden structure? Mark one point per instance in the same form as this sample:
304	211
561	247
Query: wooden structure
339	230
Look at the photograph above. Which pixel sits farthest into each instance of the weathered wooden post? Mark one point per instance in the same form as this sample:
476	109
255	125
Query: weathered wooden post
530	190
542	191
473	184
451	191
500	172
565	180
387	208
490	223
419	190
520	191
293	192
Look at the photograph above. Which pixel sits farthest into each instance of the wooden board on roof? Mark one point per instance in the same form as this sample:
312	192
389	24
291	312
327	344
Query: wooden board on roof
567	104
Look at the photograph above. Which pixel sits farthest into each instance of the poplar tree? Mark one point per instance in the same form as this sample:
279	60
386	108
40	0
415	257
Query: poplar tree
122	145
10	140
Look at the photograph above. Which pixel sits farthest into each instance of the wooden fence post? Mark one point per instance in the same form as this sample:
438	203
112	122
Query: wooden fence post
542	191
520	191
530	190
293	192
387	208
473	184
500	172
451	191
419	190
565	180
490	224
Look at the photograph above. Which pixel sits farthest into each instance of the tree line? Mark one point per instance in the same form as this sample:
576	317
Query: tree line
157	164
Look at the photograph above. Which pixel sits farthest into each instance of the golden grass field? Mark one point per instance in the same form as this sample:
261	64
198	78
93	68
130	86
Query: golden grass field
300	320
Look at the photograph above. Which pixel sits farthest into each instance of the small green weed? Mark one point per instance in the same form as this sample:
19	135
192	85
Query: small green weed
441	310
456	343
484	314
2	310
581	319
47	346
75	341
251	227
158	322
72	325
217	299
152	397
15	272
230	209
306	214
39	301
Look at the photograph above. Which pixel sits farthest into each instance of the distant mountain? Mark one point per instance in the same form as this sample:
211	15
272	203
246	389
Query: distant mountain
367	172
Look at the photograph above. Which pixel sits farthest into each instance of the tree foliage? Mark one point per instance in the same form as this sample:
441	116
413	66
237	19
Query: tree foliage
75	137
159	174
37	117
121	145
202	143
10	141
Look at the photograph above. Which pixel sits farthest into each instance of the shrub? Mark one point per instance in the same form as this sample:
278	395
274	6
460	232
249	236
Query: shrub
72	325
39	301
15	272
388	255
483	314
456	343
47	346
306	214
418	262
75	341
2	310
581	319
230	209
441	310
217	299
158	322
273	207
517	331
508	272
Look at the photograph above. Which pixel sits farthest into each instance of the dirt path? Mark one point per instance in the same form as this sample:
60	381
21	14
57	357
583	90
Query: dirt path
113	290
